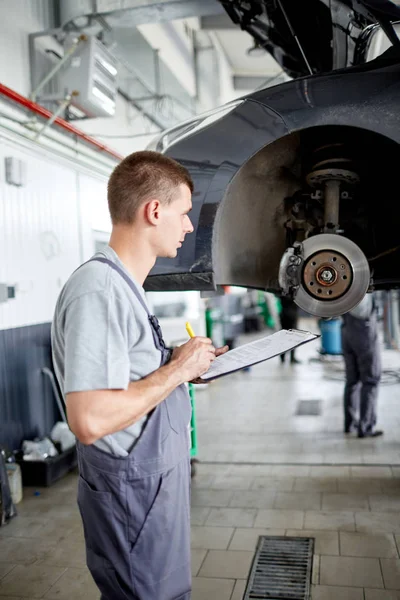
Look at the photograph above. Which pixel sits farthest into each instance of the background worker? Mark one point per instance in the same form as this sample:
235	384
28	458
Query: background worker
362	359
288	318
125	395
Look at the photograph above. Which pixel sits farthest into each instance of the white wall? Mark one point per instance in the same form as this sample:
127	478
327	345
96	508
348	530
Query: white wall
227	91
18	19
46	232
93	207
127	122
176	48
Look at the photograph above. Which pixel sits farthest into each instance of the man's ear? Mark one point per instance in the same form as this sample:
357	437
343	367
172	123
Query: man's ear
152	211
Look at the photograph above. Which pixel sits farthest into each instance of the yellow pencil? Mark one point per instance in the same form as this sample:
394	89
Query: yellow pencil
190	330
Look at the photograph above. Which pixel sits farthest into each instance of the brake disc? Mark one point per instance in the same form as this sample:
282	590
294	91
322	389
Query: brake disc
335	276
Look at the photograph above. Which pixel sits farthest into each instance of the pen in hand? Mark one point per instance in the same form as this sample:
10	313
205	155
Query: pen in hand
218	351
190	330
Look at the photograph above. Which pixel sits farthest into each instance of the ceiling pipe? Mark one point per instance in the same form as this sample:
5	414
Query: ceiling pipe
46	114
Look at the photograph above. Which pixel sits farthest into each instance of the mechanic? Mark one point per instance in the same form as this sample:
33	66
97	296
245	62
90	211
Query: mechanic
361	354
125	392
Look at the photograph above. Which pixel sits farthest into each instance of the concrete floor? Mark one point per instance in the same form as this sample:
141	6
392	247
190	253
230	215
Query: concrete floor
250	416
263	470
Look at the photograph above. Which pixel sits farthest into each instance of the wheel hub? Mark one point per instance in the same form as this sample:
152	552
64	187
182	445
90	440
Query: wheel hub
327	275
335	276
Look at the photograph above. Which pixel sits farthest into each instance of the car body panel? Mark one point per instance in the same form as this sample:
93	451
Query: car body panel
247	164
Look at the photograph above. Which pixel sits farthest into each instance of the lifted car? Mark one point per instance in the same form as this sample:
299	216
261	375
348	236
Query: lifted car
296	186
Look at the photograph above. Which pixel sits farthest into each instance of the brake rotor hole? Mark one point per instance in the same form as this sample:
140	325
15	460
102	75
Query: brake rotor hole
319	291
344	276
311	283
334	259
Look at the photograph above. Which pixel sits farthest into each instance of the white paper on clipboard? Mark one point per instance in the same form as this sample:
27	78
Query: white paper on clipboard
258	351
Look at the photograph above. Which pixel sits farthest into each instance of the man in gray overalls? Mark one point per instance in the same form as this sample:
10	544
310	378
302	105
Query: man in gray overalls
125	391
361	354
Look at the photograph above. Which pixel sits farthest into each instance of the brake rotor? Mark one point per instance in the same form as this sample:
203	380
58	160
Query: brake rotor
335	276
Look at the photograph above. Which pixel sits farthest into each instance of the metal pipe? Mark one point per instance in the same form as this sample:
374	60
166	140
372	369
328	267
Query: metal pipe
58	66
332	198
292	31
82	152
142	110
46	114
157	72
66	102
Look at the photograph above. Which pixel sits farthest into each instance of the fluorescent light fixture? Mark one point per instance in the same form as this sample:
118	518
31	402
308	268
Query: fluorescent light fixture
108	104
106	65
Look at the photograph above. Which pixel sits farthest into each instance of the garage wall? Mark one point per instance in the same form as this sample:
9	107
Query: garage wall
18	19
46	232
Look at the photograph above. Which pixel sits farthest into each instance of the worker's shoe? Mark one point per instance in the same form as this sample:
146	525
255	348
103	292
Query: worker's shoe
352	428
375	433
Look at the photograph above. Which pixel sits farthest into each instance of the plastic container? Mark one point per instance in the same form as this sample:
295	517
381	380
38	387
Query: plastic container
331	336
14	481
43	473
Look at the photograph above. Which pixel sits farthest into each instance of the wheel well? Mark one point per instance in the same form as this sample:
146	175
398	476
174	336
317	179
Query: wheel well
249	234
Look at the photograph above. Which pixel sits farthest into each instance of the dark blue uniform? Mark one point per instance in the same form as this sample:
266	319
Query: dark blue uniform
363	369
136	509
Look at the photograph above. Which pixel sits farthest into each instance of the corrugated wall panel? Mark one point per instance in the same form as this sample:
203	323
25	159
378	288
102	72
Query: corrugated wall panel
27	405
46	230
94	213
40	243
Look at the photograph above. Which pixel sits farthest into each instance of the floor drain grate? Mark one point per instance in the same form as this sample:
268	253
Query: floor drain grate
309	408
281	569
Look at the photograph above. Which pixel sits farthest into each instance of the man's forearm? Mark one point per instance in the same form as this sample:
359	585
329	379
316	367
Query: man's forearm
94	414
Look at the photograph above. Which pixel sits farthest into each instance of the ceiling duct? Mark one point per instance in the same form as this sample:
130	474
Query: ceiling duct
131	13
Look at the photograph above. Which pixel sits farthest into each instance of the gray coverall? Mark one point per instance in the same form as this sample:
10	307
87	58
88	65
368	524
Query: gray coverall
136	509
363	367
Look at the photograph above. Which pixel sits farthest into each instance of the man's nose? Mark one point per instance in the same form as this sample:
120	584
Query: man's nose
189	227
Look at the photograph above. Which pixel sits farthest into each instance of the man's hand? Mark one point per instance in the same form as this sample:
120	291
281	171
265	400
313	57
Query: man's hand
193	359
218	352
222	350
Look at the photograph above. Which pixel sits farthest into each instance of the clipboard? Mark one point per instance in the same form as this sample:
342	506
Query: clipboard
258	351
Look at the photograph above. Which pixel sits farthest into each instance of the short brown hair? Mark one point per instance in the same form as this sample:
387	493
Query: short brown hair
140	177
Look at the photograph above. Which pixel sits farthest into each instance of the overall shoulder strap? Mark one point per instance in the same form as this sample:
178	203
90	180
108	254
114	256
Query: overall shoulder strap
124	276
155	327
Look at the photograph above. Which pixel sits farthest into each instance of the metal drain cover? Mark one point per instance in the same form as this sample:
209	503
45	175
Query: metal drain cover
281	569
311	408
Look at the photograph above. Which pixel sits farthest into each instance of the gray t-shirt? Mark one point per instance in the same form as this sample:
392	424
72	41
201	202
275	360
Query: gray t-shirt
102	339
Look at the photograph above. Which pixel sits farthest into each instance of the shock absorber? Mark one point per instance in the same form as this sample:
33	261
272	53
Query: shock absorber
327	274
330	173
